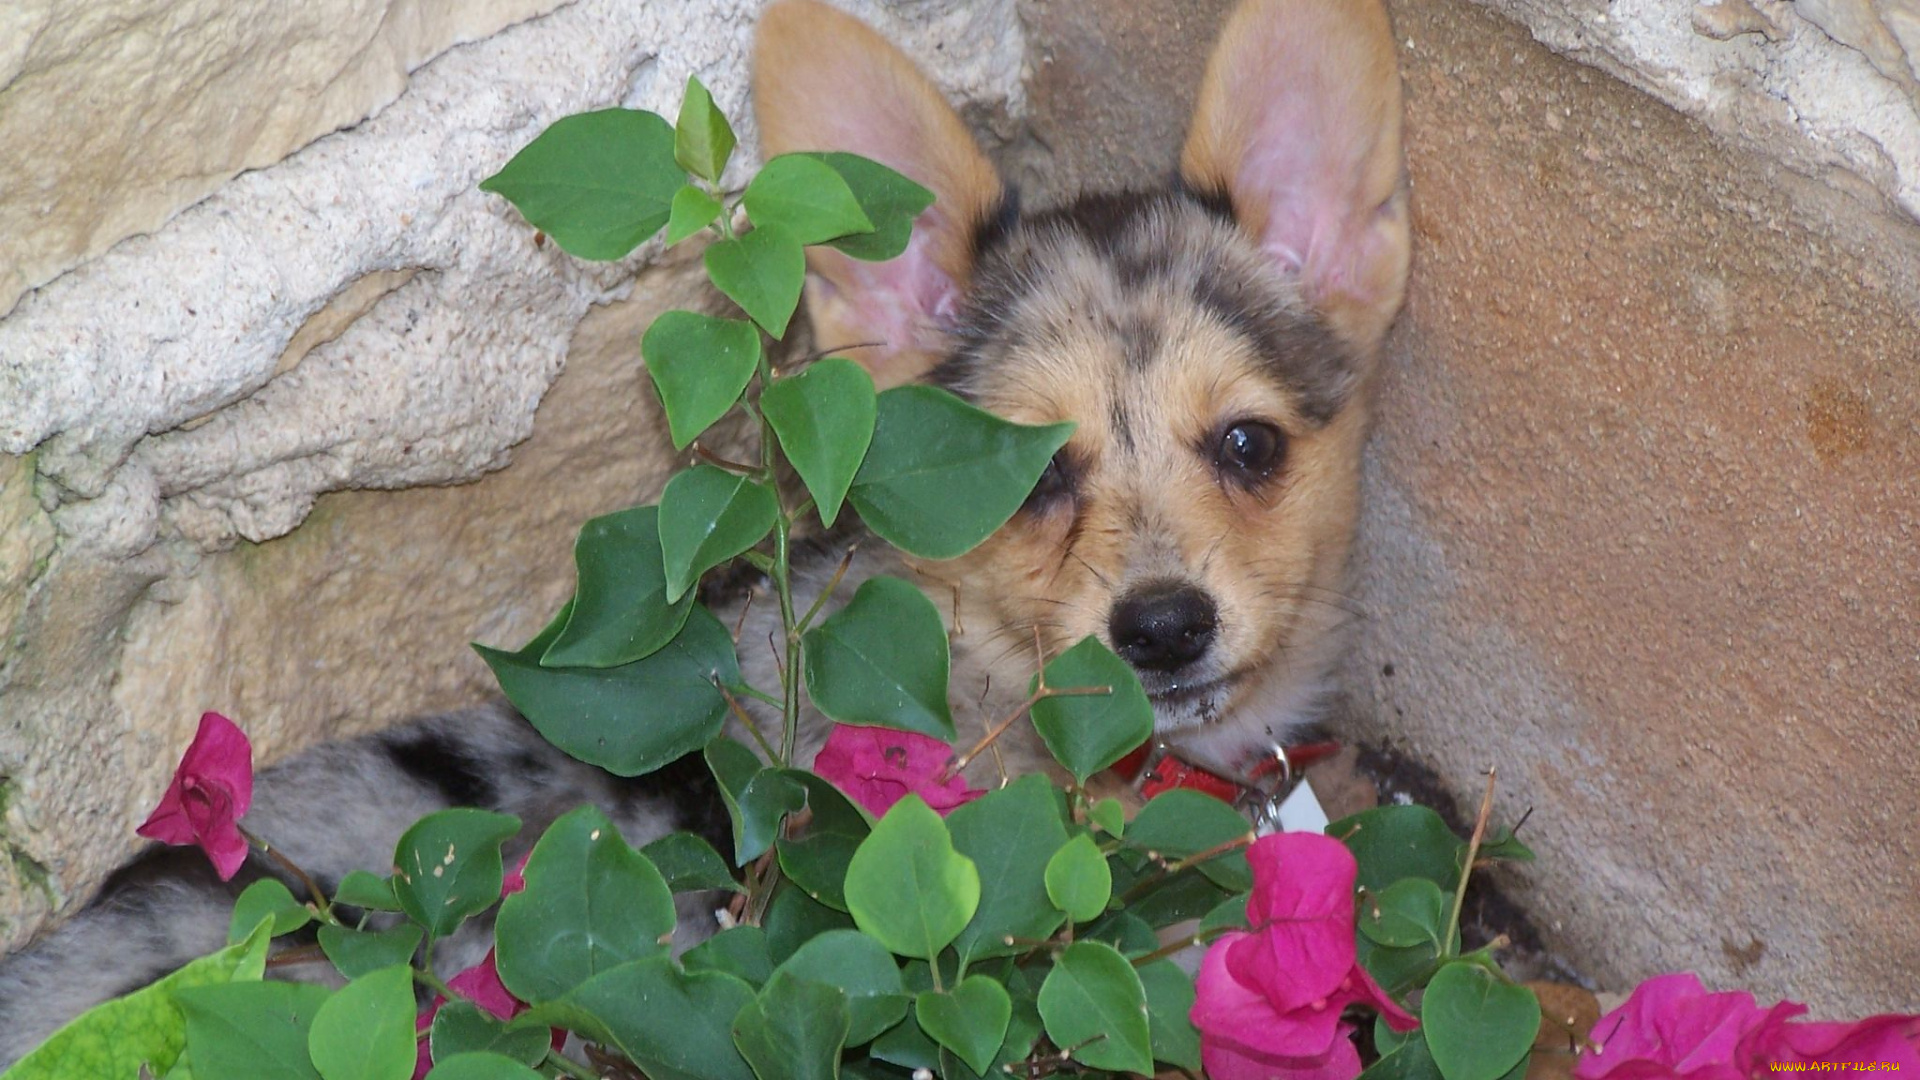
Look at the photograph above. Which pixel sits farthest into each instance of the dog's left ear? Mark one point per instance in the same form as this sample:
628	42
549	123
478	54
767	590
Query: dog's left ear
1299	123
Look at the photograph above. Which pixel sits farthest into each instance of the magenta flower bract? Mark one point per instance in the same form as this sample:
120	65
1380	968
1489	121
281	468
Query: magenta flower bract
211	791
1268	1002
877	767
481	985
1670	1026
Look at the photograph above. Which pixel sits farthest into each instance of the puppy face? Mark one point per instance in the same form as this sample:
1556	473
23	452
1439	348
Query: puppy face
1198	519
1213	343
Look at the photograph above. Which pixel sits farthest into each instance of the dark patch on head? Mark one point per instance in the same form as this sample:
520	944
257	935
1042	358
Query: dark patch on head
1117	419
440	762
1140	343
1301	352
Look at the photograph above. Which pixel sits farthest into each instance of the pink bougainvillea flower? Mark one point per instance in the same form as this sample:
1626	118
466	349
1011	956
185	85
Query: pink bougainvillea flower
1670	1026
481	985
1268	1002
515	880
878	767
210	793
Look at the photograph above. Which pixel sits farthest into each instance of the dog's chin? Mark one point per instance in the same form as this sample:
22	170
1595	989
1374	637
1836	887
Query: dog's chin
1179	707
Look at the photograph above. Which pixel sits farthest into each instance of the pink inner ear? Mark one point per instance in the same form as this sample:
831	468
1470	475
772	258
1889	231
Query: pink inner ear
905	304
1309	180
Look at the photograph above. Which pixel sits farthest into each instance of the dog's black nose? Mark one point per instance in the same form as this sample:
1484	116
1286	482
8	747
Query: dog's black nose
1163	626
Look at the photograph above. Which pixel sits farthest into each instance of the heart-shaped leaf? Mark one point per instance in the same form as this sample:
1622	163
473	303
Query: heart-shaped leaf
805	196
969	1019
1093	1002
794	1029
692	211
1109	817
1180	823
365	1031
1089	732
1411	911
757	798
600	183
817	859
630	719
356	952
461	1027
891	201
907	887
1477	1026
362	889
824	417
481	1066
863	969
591	904
1395	842
1078	881
266	898
619	611
702	140
737	950
882	661
673	1024
941	475
707	516
447	866
1010	834
252	1029
689	863
699	366
762	272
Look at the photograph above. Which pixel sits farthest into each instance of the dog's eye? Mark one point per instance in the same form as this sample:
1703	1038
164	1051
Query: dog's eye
1251	449
1056	483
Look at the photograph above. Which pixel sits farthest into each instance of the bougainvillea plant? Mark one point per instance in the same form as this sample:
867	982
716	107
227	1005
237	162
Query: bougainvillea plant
889	921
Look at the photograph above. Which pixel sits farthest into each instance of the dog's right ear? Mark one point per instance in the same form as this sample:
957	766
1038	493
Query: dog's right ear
823	80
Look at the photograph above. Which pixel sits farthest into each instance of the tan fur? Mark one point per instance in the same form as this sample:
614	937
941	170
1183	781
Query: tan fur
1327	230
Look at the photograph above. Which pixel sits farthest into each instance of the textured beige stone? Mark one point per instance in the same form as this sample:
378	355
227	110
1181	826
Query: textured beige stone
117	115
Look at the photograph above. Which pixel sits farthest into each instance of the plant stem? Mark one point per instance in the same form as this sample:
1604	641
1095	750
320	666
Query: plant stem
832	584
1172	947
426	978
324	909
955	766
753	729
569	1066
1466	868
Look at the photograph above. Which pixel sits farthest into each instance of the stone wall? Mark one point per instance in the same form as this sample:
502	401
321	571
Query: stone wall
288	417
258	408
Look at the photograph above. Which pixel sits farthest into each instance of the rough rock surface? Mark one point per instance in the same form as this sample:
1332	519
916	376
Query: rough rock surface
357	318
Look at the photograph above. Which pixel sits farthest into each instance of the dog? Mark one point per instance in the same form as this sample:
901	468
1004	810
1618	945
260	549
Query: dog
1214	340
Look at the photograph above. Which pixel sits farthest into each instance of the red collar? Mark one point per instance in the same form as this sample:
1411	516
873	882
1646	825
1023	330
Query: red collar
1159	768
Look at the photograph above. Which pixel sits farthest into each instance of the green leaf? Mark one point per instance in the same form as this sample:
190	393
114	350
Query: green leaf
969	1019
630	719
1411	911
591	904
794	918
146	1027
794	1029
692	210
700	366
907	887
358	952
447	867
673	1024
264	899
1506	846
882	661
1230	913
1093	1003
1396	969
757	798
1078	881
480	1066
1385	1039
1169	1000
1125	931
890	201
805	196
1109	817
362	889
1411	1061
1394	842
461	1027
252	1029
702	140
818	858
1181	823
1476	1025
1010	834
1087	733
599	183
863	969
365	1031
1176	898
689	864
619	612
941	475
707	516
762	272
739	950
824	417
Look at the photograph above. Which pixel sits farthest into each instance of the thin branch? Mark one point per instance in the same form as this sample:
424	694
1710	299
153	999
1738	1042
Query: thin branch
832	584
1473	849
325	909
752	728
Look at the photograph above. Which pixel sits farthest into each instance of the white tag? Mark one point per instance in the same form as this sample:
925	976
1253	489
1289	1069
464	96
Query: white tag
1299	812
